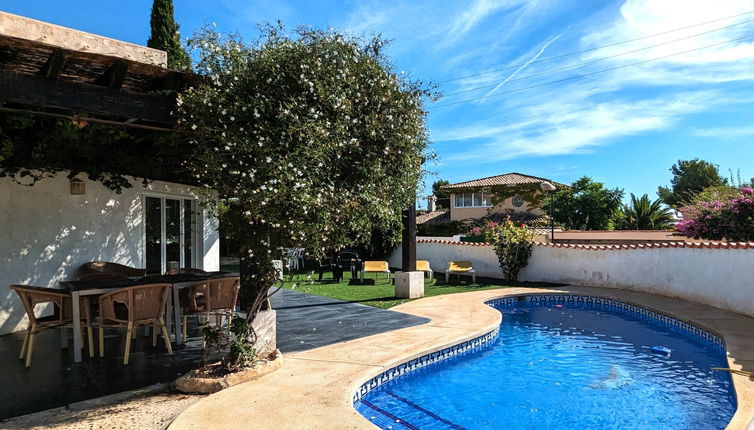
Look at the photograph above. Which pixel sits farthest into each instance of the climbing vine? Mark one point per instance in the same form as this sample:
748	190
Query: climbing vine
34	147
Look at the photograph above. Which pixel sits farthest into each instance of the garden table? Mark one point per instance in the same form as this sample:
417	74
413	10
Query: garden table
99	287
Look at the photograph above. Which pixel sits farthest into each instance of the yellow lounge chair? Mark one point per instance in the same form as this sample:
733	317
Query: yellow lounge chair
460	268
423	266
375	267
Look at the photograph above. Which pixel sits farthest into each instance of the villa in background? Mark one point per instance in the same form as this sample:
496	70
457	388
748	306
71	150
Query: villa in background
472	200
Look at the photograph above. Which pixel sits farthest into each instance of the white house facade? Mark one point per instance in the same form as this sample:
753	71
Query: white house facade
48	230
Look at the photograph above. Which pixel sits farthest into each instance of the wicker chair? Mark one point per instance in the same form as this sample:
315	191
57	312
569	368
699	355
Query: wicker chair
109	267
131	307
211	297
185	271
61	318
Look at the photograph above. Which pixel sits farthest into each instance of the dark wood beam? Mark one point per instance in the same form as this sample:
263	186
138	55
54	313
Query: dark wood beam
171	81
72	117
408	243
114	75
55	64
40	92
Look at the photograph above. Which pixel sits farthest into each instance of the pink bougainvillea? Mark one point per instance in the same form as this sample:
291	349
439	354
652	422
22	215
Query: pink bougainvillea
717	220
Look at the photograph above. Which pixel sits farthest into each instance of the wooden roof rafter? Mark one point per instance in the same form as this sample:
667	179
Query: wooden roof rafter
39	78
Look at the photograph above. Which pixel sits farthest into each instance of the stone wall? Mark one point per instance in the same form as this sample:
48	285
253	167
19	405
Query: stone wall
715	274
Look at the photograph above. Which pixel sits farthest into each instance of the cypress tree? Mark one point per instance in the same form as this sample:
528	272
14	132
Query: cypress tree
165	36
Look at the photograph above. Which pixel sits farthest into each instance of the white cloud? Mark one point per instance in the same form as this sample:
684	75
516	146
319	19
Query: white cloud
641	18
570	125
473	15
724	132
581	114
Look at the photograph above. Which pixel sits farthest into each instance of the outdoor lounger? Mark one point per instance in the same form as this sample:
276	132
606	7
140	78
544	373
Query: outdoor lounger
460	268
423	266
376	267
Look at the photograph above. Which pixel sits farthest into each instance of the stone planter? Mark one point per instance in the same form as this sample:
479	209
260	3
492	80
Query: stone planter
266	346
189	383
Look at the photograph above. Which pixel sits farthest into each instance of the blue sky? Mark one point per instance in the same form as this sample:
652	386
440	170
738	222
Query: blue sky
624	127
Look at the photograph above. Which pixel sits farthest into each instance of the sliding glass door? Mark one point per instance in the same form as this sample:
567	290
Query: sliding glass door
170	230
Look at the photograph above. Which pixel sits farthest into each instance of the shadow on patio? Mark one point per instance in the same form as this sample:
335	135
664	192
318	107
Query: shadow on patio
304	322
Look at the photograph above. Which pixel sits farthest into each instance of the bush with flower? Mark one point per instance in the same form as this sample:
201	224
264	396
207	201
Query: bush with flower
313	136
513	246
730	219
484	232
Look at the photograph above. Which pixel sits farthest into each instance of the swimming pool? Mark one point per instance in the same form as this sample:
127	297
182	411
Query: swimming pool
561	362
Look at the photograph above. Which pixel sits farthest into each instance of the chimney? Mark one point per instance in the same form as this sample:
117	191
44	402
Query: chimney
431	203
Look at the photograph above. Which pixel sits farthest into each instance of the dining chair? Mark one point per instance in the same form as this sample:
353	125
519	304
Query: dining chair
293	256
326	264
348	260
300	258
62	316
210	297
131	307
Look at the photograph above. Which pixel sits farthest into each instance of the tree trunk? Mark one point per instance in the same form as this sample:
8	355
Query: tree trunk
258	274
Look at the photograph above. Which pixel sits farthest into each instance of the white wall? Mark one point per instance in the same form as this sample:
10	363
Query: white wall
46	233
720	277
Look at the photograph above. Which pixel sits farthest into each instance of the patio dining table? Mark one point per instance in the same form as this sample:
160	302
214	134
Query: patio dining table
99	287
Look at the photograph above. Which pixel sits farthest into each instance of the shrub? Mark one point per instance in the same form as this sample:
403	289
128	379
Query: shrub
440	230
236	351
513	246
731	219
485	232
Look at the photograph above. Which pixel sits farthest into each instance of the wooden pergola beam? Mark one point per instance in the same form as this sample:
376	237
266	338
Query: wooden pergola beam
41	92
115	75
55	64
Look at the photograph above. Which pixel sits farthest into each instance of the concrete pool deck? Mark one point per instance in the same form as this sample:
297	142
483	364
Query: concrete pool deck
314	388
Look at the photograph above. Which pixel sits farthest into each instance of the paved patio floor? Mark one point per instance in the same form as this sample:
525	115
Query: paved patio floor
304	322
315	388
307	321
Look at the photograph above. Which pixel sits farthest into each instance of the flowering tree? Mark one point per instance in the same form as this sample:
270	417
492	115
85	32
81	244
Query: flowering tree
732	219
314	137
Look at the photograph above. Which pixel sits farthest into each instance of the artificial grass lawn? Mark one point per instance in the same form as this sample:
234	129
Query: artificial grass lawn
382	293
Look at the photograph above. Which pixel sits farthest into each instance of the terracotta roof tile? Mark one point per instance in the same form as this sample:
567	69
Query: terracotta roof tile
506	179
696	245
436	217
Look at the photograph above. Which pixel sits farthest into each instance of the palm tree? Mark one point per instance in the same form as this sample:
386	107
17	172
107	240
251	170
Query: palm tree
643	214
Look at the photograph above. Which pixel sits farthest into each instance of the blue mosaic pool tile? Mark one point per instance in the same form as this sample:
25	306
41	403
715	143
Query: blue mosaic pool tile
615	306
543	300
424	361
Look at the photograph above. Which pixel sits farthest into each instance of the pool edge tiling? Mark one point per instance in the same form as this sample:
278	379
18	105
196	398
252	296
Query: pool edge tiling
618	306
315	388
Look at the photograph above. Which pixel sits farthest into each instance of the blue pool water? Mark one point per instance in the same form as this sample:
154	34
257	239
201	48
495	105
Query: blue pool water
574	366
